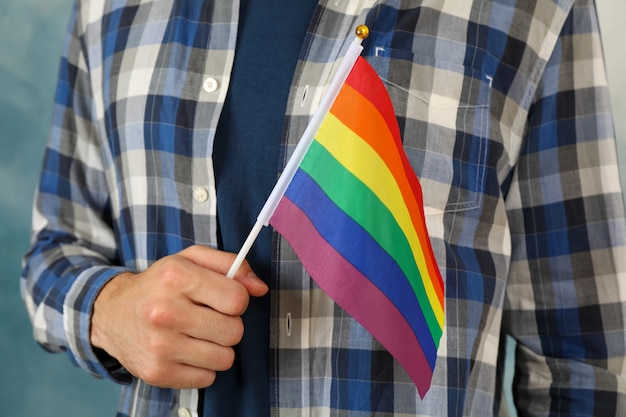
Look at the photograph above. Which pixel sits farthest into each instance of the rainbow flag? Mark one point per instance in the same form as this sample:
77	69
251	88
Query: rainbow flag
353	213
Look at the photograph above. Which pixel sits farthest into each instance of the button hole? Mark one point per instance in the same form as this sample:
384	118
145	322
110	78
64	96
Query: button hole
304	94
288	324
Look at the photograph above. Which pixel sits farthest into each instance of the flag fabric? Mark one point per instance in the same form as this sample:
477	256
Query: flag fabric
353	214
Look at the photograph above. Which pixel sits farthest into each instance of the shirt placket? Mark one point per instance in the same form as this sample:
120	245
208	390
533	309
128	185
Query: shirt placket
302	315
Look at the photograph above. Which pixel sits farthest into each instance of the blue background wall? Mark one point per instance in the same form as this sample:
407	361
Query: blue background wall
33	382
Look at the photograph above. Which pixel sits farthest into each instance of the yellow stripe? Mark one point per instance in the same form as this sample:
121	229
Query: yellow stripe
360	159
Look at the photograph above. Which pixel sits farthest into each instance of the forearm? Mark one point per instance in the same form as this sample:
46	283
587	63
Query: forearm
73	248
59	285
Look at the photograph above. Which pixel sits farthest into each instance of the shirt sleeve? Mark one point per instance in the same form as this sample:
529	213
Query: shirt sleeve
73	252
567	285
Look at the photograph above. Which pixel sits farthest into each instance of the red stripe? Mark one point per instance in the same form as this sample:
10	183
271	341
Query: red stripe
353	292
366	83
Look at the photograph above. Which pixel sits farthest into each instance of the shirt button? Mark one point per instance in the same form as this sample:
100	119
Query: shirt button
200	195
210	85
184	412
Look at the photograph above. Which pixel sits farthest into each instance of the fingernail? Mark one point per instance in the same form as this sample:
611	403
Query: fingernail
253	276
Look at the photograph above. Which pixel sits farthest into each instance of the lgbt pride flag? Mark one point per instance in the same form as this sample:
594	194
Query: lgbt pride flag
353	213
350	205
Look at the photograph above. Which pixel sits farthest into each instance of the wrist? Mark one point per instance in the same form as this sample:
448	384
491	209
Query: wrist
103	312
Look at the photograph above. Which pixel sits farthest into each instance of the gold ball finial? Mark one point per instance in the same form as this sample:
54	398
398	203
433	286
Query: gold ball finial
362	31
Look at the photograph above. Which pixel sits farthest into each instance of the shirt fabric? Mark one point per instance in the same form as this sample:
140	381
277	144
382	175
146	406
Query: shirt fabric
504	113
245	156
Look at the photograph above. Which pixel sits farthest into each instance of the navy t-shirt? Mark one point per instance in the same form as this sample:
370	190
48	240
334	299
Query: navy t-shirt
245	156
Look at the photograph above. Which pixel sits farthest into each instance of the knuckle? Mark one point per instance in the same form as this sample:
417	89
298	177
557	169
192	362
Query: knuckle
158	315
239	300
203	380
155	376
171	272
207	379
229	358
233	332
223	359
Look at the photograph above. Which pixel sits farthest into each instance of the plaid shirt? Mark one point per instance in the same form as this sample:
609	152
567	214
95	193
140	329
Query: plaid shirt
503	108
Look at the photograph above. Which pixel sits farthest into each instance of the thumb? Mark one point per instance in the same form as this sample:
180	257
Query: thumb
221	262
244	275
255	286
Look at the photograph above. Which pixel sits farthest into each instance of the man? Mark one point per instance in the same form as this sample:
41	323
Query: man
172	121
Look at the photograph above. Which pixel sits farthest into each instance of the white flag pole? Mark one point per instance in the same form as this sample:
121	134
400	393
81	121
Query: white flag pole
243	252
263	219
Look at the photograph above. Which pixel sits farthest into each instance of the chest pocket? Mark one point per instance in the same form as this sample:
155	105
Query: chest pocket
443	110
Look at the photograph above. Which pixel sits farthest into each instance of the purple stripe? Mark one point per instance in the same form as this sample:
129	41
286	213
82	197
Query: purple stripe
353	292
354	243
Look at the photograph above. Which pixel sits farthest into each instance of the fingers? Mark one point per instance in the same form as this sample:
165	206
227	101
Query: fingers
219	261
174	324
195	321
188	357
189	364
197	354
202	286
253	284
180	376
213	259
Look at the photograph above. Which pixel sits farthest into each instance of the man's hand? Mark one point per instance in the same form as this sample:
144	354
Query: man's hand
174	324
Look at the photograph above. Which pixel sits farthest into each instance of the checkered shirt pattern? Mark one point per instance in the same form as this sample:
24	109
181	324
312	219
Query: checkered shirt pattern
504	112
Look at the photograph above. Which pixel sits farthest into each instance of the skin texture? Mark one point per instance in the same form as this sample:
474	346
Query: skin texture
174	324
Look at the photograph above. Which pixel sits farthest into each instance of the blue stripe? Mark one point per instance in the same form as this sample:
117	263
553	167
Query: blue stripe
361	250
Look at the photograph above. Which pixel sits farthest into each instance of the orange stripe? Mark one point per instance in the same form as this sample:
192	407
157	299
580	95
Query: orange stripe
366	123
365	80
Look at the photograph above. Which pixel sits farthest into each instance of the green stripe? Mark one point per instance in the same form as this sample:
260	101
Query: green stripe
351	195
